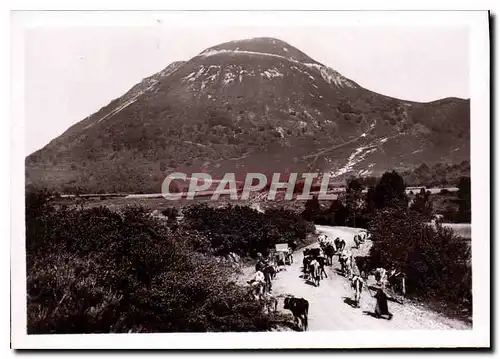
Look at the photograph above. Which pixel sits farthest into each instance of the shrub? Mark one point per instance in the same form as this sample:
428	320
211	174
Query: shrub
390	191
243	230
95	271
436	262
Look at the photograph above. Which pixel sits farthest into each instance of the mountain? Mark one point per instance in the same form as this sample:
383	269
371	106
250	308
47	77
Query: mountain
256	105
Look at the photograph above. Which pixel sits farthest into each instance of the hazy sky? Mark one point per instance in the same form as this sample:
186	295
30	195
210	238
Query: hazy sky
72	72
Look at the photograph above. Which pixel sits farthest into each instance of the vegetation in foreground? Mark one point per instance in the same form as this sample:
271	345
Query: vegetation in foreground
98	271
437	264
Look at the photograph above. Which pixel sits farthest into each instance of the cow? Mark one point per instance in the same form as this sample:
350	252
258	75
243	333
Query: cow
299	308
357	284
305	263
269	273
315	252
322	260
315	271
364	265
339	244
329	253
345	259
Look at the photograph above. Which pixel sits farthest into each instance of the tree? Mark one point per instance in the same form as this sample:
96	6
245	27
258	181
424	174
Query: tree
311	208
422	203
341	215
370	200
390	191
352	199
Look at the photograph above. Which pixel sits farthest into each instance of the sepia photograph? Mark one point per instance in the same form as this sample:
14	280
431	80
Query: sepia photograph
192	175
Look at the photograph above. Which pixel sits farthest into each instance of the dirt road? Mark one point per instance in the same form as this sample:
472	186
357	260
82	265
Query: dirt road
329	304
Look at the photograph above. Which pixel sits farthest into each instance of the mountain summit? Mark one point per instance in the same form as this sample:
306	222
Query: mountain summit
255	105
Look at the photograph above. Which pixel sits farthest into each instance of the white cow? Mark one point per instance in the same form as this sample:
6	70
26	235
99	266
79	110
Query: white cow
357	284
345	259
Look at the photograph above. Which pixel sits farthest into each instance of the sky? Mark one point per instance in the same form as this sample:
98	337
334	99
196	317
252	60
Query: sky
71	73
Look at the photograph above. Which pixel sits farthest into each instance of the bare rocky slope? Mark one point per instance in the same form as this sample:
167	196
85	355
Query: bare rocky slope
257	105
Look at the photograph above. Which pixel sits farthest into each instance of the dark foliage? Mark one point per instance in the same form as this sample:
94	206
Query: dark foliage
422	204
390	191
354	201
311	208
95	271
243	230
435	261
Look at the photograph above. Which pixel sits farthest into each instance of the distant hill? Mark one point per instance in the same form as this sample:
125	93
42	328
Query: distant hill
257	105
438	175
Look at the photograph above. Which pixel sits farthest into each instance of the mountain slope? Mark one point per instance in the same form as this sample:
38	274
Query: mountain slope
257	105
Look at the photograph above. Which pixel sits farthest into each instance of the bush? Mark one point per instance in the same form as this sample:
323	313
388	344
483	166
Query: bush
243	230
390	191
436	262
95	271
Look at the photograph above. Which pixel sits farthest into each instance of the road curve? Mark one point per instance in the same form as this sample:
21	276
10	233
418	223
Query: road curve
329	304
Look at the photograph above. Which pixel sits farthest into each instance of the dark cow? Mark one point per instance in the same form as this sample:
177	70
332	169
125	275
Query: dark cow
345	259
365	265
260	265
315	252
269	273
300	309
305	263
322	263
329	253
339	244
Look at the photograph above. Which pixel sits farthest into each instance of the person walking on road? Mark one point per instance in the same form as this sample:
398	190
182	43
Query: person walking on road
382	307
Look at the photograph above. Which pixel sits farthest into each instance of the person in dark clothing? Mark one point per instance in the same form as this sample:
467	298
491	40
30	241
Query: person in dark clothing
382	308
261	264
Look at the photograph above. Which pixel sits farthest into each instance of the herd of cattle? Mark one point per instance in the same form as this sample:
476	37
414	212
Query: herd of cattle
355	268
